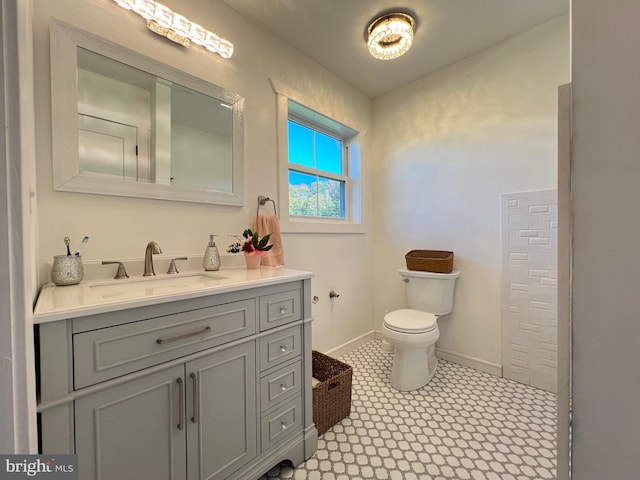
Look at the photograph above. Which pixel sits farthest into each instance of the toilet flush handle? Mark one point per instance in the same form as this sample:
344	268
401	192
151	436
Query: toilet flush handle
405	280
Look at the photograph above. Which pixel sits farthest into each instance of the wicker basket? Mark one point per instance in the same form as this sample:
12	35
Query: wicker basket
438	261
332	396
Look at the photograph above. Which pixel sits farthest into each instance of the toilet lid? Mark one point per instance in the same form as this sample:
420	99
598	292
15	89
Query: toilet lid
411	321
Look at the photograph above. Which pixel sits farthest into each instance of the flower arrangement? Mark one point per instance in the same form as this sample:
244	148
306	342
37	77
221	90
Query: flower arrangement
250	243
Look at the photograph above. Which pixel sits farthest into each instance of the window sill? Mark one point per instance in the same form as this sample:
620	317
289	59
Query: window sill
301	225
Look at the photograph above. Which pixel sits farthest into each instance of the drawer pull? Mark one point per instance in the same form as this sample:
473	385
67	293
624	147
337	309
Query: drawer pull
283	309
180	404
194	419
283	386
283	348
184	335
284	424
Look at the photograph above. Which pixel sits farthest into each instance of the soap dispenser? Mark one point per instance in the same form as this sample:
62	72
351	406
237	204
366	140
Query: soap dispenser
211	261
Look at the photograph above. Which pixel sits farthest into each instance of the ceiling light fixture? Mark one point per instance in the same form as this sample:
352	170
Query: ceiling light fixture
163	21
390	35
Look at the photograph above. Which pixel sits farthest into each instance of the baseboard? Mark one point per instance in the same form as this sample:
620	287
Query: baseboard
471	362
345	348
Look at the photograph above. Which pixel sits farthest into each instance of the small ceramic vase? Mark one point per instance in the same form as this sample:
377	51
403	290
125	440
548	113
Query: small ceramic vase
253	261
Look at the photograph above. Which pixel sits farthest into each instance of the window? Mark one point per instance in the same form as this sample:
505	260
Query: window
317	171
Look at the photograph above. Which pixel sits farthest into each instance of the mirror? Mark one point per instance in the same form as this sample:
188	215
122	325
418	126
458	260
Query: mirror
125	124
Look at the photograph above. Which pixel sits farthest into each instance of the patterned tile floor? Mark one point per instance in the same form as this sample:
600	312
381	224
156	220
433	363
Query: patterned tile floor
464	424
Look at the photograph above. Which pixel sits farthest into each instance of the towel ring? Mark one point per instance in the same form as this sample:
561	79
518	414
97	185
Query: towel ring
262	200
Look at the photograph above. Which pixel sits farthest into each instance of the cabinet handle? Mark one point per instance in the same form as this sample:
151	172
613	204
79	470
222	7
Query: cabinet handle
180	404
283	348
184	335
283	386
283	309
194	418
284	425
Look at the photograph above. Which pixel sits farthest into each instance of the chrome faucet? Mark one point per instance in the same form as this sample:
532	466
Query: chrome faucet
152	247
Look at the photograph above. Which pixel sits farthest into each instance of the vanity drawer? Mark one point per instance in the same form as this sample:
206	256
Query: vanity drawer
280	423
280	308
280	385
107	353
280	347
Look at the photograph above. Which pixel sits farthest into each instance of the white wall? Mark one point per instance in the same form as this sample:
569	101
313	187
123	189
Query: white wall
446	147
606	233
121	227
17	370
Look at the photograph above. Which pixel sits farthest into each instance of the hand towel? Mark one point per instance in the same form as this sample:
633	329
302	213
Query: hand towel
270	224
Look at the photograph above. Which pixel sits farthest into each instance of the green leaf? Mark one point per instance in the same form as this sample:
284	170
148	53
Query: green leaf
264	241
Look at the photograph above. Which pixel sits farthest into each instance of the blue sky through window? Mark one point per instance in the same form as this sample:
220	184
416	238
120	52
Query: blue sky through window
314	149
300	145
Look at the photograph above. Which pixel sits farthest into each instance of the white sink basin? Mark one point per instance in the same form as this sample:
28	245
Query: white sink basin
156	285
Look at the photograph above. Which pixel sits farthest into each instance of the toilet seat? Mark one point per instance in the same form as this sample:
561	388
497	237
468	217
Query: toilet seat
411	321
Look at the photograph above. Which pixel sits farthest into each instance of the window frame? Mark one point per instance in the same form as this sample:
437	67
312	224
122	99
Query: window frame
295	106
344	160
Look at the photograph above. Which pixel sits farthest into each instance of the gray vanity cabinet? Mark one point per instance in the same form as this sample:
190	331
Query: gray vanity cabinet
210	388
130	430
148	428
221	430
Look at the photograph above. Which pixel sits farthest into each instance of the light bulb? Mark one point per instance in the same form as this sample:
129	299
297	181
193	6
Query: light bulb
144	8
163	16
226	48
181	25
198	34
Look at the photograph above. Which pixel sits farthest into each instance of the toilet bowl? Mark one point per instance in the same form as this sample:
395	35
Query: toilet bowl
413	331
413	335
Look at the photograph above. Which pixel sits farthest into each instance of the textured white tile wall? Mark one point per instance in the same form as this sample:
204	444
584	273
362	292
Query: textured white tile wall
529	287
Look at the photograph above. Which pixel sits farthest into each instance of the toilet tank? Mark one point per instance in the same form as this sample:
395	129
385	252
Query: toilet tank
428	291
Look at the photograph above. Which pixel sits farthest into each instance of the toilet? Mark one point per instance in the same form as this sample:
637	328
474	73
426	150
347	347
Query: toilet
413	331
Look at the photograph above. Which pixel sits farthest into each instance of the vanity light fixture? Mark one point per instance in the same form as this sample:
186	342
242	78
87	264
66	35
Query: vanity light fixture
163	21
390	35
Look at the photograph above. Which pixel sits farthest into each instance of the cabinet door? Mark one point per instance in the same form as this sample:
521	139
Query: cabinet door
135	430
221	412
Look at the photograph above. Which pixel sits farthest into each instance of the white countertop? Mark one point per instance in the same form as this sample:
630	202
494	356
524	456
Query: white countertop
61	303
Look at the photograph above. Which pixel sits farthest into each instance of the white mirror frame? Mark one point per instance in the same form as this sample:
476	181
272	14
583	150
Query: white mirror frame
65	40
